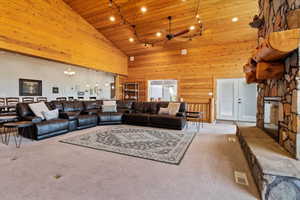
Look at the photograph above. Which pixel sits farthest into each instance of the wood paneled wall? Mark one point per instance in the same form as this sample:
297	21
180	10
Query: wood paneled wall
51	29
197	71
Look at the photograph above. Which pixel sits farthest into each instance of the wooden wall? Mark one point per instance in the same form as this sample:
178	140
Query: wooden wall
51	29
197	71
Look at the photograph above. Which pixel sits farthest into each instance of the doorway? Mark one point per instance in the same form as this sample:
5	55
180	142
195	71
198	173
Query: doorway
236	100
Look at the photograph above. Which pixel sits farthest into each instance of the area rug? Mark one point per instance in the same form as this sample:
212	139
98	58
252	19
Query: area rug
150	143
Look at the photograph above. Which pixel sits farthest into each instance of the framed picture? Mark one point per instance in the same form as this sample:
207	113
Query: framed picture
28	87
55	90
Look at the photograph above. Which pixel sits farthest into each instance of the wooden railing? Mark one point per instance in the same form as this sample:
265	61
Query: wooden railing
207	107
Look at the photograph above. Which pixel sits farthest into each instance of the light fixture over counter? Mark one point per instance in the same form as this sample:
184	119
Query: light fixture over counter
69	72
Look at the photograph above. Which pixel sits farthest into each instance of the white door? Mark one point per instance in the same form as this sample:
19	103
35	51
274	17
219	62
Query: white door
236	100
226	107
247	94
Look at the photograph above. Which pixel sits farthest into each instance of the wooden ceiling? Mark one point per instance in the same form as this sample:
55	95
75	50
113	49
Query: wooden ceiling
216	16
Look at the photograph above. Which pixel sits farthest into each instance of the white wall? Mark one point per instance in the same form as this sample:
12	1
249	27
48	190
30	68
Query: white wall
15	66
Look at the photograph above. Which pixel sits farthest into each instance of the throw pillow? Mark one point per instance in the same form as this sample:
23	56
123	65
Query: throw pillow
38	109
109	108
109	103
51	114
163	111
173	108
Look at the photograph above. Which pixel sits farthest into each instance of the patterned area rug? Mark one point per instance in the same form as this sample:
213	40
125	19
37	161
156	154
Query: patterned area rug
167	146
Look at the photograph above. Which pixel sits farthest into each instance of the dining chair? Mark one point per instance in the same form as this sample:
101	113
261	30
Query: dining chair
61	98
71	98
28	99
11	102
2	103
80	98
41	99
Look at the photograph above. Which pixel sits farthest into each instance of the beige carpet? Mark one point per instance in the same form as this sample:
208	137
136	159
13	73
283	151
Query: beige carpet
206	171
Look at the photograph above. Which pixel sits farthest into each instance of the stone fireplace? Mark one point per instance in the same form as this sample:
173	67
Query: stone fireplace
286	89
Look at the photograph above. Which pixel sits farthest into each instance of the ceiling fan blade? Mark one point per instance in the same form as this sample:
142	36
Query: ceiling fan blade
182	39
181	33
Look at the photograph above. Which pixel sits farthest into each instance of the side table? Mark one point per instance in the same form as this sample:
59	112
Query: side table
5	119
16	127
197	116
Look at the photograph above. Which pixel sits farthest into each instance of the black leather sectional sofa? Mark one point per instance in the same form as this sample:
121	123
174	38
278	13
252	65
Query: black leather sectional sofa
76	115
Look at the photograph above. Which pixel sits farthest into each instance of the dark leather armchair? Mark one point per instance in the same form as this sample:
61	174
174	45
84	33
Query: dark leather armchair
73	111
41	128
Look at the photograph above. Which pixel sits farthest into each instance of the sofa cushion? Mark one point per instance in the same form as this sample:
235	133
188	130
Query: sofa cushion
92	111
116	116
163	111
38	109
71	115
109	108
139	107
87	120
137	118
104	117
166	120
78	106
23	110
173	108
89	105
51	126
57	105
51	114
72	106
124	104
109	103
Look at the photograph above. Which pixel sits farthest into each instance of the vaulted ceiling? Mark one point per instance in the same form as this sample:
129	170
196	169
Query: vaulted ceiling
216	16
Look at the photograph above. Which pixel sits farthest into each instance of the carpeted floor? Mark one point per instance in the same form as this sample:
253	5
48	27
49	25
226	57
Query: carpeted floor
48	169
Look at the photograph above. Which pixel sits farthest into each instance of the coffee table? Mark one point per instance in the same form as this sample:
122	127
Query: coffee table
16	127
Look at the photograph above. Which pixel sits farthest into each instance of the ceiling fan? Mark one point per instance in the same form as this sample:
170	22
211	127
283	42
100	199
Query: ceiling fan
170	35
182	36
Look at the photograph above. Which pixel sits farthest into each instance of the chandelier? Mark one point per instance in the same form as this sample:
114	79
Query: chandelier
69	72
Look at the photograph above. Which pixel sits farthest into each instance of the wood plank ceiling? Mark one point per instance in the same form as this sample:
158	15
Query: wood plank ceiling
216	16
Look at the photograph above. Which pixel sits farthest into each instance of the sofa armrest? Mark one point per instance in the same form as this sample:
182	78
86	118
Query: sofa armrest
33	119
91	112
181	114
63	115
69	115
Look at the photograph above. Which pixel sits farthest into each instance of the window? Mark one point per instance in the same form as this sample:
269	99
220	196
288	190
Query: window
162	90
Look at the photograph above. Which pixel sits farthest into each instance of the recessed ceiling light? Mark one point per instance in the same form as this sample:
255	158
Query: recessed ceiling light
199	21
197	16
158	34
183	0
143	9
112	18
235	19
131	40
192	28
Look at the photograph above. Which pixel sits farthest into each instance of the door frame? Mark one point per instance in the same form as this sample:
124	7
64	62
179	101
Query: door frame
217	99
235	116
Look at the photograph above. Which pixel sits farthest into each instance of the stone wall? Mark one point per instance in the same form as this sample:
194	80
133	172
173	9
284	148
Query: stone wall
274	14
